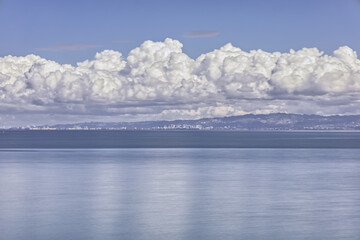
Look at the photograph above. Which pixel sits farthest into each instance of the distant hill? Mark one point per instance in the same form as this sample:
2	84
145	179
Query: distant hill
276	121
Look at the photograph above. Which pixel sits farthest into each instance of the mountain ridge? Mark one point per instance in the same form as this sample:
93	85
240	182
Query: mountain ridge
272	121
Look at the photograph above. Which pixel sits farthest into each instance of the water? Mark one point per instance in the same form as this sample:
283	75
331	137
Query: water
179	139
180	193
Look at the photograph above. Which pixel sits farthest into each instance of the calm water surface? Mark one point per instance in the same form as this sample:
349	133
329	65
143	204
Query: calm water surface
179	193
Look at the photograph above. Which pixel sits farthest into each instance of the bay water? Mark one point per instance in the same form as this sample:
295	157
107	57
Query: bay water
179	185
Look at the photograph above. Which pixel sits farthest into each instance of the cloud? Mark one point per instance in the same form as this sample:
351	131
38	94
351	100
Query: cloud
158	81
69	47
201	34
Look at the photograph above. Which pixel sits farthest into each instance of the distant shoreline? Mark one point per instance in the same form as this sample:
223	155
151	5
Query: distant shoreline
184	130
249	122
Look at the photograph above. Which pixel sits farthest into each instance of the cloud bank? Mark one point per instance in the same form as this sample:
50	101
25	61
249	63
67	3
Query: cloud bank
158	81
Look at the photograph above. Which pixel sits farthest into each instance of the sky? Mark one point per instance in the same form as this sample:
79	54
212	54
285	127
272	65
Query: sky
76	61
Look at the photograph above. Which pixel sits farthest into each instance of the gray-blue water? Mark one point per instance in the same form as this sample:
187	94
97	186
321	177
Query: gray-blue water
180	193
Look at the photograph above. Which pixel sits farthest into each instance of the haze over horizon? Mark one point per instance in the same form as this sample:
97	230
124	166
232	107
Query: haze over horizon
140	71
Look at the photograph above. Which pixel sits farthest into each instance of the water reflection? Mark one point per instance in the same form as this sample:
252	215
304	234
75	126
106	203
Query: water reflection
180	194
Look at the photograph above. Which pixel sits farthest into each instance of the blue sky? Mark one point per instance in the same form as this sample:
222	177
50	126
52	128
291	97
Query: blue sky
40	26
150	60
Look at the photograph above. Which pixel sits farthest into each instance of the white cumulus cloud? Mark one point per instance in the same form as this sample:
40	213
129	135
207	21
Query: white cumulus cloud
158	81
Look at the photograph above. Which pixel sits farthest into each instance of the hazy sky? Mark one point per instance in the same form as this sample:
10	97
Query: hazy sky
137	79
